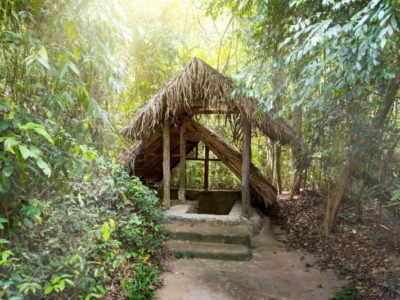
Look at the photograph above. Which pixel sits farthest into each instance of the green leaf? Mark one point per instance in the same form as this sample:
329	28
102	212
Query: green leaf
71	30
44	133
83	96
393	21
74	68
25	152
28	223
43	58
70	282
77	53
61	286
38	129
3	241
48	289
4	124
10	142
43	166
105	230
396	196
56	279
93	295
90	155
7	171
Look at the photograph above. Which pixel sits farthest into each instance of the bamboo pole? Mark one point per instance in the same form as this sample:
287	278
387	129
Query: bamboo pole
246	160
166	164
182	164
206	167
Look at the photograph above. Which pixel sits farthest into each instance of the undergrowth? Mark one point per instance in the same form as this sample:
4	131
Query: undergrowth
100	239
347	293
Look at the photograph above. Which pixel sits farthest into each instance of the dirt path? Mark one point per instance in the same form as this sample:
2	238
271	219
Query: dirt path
272	273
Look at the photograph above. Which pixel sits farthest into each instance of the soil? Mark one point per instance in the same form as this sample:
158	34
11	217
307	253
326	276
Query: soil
364	249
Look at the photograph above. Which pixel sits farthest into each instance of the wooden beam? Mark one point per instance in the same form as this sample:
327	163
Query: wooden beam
246	160
160	155
202	159
206	167
166	164
182	164
193	136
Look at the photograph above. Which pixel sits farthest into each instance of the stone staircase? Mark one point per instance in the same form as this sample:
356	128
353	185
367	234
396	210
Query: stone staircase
209	240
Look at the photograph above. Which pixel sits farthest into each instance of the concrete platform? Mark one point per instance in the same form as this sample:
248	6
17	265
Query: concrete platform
209	250
182	212
209	233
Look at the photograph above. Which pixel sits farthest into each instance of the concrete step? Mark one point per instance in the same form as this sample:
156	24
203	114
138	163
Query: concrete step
209	250
209	233
181	213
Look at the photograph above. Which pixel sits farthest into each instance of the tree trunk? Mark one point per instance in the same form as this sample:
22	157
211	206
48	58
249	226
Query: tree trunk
277	167
246	160
335	198
295	178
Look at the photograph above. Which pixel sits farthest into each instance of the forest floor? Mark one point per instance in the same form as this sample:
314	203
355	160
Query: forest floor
364	250
274	272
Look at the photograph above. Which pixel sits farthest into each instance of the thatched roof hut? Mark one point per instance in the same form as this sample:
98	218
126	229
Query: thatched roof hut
198	89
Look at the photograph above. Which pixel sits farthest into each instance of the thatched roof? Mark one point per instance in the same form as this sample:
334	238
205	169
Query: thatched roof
200	87
145	159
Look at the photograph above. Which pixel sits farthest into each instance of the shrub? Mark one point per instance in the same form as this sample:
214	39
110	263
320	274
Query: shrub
71	246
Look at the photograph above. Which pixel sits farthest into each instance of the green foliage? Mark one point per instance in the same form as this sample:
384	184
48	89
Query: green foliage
141	286
392	286
333	58
50	113
74	243
347	293
65	208
396	196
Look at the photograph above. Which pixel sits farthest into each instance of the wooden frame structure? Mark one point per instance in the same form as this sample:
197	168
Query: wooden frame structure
147	163
246	161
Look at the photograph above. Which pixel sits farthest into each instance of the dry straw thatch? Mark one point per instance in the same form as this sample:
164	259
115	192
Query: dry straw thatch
199	86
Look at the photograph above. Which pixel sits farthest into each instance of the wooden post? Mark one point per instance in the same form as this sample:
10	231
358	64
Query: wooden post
166	164
206	163
182	164
246	160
